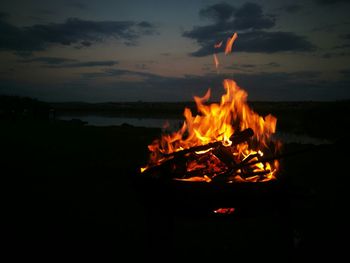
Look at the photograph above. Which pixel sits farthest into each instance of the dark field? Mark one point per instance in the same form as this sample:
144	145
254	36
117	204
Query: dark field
72	192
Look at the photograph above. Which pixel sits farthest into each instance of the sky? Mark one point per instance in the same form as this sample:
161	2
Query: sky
134	50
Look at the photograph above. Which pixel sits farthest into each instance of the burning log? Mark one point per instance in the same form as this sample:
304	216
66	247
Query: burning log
193	149
260	173
236	138
227	157
224	153
175	166
242	136
250	157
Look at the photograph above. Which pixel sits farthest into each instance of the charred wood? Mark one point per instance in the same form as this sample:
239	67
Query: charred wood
236	138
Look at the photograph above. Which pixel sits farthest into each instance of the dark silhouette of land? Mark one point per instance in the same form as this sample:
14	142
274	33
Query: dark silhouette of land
72	191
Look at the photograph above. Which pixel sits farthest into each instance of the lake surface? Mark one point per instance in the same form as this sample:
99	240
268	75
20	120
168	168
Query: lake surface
174	124
98	120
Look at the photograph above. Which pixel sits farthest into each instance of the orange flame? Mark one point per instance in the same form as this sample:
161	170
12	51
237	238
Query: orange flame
217	122
216	61
229	43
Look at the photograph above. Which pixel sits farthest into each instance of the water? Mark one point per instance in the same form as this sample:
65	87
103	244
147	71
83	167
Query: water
103	121
175	124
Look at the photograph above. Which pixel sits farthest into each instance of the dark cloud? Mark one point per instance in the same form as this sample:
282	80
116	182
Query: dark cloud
57	62
117	73
342	46
248	65
345	72
250	20
3	16
48	60
218	12
330	27
46	12
345	39
86	43
345	36
250	16
335	55
251	67
73	30
204	34
247	16
330	2
259	41
78	5
142	66
273	64
291	9
145	24
101	63
327	55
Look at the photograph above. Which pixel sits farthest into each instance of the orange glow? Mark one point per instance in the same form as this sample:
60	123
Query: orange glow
218	45
229	43
217	122
216	61
225	211
195	179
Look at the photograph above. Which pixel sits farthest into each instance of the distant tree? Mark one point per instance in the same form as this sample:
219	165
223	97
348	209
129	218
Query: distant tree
20	108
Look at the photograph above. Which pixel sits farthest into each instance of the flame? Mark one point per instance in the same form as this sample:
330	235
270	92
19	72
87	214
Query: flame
216	61
217	122
229	43
218	45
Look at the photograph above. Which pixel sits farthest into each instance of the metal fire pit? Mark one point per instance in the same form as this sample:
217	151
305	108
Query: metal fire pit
204	198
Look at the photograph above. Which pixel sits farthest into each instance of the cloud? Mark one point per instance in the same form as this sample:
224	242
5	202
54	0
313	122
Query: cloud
57	62
77	5
345	72
218	12
142	66
48	60
335	54
250	16
247	16
101	63
46	12
330	2
345	36
118	73
73	31
273	64
291	8
251	22
346	45
3	15
259	41
342	46
249	67
330	27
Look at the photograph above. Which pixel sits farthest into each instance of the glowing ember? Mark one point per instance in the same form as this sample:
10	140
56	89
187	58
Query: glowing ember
216	61
218	45
229	43
224	211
